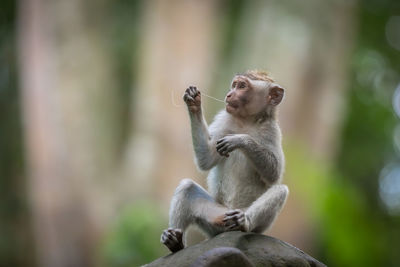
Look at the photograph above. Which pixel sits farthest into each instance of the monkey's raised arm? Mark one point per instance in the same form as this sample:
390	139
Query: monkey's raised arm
204	148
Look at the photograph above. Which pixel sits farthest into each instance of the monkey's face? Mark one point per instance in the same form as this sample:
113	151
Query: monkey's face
245	97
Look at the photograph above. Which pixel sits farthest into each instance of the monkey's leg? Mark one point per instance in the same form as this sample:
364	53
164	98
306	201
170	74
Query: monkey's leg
191	204
265	209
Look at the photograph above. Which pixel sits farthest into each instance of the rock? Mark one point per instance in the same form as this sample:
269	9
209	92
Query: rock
223	257
238	249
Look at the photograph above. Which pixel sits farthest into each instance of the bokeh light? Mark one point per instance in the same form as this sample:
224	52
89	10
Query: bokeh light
389	188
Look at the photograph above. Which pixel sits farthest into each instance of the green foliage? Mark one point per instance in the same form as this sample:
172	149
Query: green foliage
15	235
348	233
349	229
135	238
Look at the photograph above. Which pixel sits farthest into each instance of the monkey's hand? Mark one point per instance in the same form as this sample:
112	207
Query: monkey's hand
236	220
192	99
228	143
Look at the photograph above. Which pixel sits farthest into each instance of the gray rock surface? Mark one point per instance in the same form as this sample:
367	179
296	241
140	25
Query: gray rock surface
238	249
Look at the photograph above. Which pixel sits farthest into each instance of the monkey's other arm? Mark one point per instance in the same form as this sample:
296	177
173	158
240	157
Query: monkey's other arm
205	152
264	159
267	163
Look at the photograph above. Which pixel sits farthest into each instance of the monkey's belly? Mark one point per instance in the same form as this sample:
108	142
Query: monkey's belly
234	183
241	196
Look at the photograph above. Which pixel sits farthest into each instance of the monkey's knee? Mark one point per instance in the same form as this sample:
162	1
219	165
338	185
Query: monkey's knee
185	185
190	190
284	191
182	192
181	210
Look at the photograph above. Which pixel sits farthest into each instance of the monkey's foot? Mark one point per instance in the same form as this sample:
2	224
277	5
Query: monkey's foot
235	220
172	239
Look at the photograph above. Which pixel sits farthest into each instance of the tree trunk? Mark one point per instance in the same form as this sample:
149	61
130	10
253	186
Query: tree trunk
70	126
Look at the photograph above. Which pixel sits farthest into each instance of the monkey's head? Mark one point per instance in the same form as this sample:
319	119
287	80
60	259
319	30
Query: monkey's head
253	93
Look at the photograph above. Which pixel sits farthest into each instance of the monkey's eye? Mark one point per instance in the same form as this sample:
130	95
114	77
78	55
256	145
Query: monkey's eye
242	85
233	84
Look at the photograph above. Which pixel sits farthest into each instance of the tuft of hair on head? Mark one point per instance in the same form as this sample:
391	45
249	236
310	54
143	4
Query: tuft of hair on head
260	75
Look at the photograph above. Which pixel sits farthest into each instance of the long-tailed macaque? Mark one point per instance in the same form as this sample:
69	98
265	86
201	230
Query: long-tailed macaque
242	149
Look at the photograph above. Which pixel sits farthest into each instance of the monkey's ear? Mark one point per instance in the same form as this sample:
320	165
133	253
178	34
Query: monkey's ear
275	94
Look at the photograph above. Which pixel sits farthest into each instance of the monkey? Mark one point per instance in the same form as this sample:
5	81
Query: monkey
243	153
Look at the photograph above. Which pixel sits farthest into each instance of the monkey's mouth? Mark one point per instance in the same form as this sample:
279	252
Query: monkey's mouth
232	104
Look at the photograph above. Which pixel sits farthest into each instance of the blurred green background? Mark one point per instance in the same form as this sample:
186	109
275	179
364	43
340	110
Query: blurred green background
94	138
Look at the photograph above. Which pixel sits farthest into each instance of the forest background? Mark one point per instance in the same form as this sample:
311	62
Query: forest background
94	136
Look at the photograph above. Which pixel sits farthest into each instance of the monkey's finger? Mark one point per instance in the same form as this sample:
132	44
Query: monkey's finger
187	91
232	218
193	91
239	217
232	212
193	88
170	230
227	219
189	99
168	243
175	232
185	97
223	154
163	238
172	238
220	140
229	223
190	91
226	148
221	145
219	148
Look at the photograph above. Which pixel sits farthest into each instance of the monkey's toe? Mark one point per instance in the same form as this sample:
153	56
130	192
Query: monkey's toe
172	239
